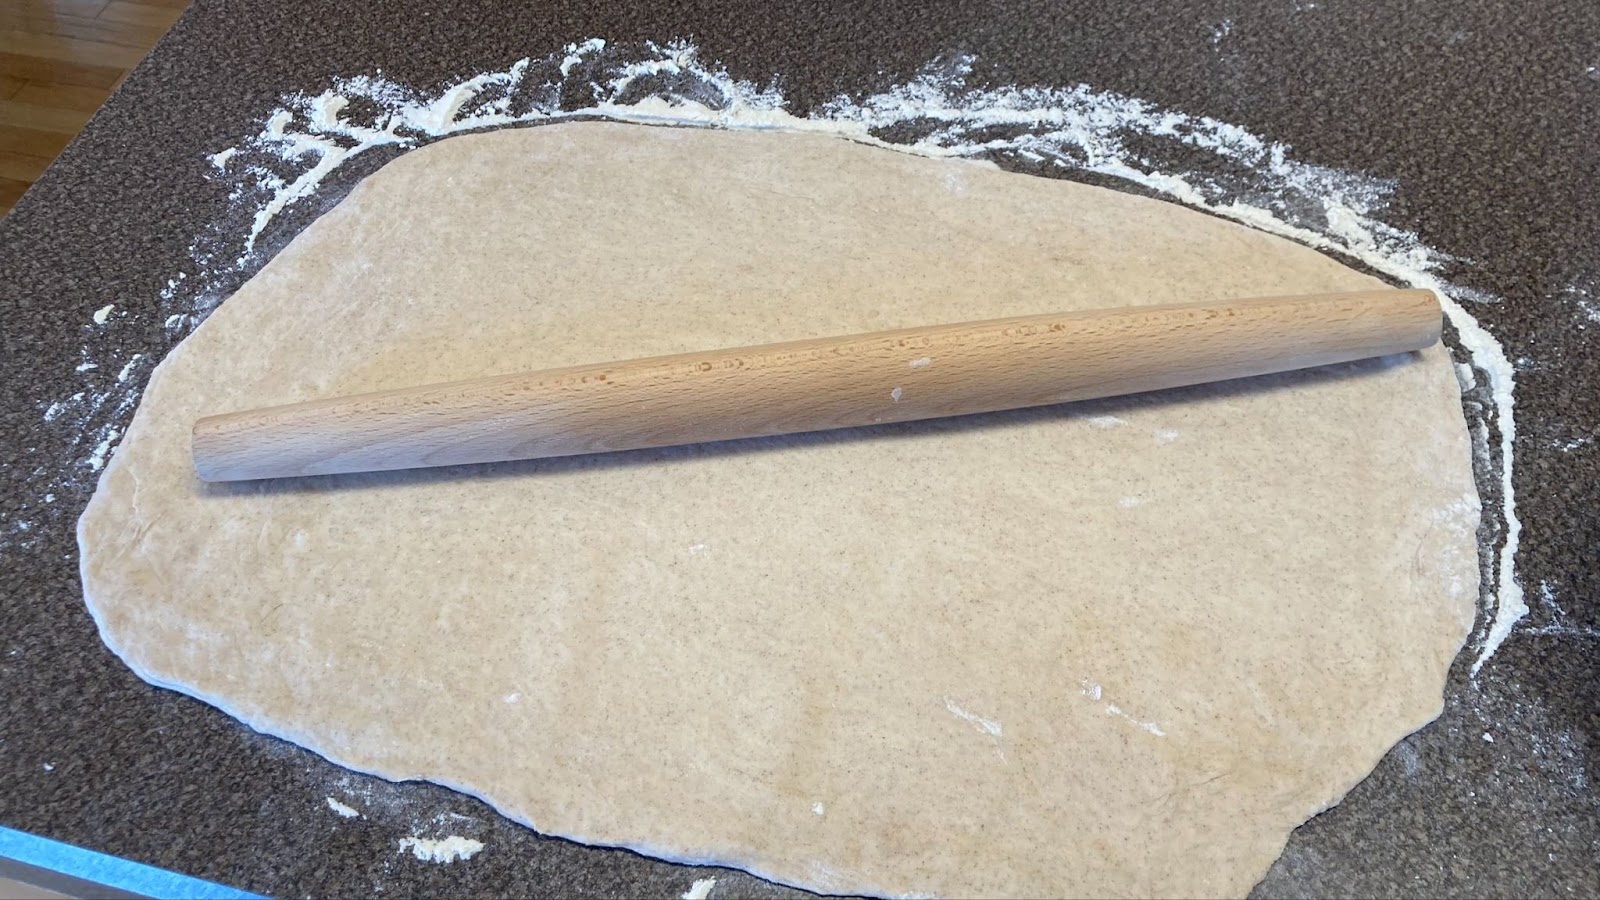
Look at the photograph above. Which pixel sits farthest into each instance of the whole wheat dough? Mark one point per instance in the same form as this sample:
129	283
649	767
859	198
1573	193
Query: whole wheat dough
1108	649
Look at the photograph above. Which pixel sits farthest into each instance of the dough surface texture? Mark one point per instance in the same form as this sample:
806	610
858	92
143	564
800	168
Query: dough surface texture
1117	648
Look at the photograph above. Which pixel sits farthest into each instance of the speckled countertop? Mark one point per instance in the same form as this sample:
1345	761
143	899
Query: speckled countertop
1486	115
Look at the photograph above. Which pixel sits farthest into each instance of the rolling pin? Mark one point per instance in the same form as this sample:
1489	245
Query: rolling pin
812	385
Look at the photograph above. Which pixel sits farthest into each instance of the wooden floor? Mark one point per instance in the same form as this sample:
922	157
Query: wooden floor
59	61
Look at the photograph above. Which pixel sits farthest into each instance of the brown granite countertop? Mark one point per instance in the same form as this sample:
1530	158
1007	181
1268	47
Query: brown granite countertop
1486	114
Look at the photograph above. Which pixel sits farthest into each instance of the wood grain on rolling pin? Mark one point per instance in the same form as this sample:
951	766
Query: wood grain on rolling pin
889	376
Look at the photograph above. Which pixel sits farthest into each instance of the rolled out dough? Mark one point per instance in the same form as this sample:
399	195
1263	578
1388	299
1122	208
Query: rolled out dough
1110	649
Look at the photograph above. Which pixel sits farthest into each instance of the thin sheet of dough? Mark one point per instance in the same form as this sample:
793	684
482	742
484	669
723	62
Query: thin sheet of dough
1117	648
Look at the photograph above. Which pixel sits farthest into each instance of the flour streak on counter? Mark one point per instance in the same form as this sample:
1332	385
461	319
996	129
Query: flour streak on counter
441	850
700	890
344	811
1038	129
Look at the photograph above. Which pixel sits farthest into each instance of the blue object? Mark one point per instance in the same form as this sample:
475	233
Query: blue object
121	874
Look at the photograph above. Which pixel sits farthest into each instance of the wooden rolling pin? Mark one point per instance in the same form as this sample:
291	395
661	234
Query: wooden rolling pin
864	379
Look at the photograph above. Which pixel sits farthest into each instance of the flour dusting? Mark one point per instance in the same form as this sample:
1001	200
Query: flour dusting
1095	693
127	370
440	850
987	726
1560	624
1113	710
102	451
1587	300
342	810
700	890
1040	129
